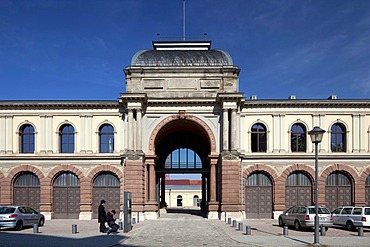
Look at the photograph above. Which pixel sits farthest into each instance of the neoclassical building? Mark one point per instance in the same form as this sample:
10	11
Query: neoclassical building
182	112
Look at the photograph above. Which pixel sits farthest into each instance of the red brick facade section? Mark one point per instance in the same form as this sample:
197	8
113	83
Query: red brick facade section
230	187
135	174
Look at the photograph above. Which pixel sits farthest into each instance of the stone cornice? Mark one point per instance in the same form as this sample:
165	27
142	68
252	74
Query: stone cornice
306	104
59	104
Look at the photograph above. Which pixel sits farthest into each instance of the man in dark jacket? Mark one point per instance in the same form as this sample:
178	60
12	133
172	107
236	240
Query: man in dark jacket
113	227
102	216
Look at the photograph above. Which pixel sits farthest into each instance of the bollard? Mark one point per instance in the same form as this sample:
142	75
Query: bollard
74	229
133	221
234	223
229	221
35	228
137	217
240	226
322	230
248	230
120	225
360	231
225	217
285	230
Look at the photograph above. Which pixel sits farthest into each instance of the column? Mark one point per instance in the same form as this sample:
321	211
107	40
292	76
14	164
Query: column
49	134
138	130
204	192
225	129
355	133
362	133
275	132
82	131
233	130
9	134
283	133
2	133
152	182
130	130
88	134
213	180
163	191
42	135
122	133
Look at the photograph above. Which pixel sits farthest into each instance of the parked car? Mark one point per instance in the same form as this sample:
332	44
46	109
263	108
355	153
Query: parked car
304	217
352	217
20	216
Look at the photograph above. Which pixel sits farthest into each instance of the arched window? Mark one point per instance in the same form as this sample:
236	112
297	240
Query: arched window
27	139
338	138
67	139
183	158
259	140
196	201
179	201
298	138
106	137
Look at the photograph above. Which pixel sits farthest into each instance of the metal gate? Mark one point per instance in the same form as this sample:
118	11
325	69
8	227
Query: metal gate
66	204
27	191
298	190
338	191
258	197
106	186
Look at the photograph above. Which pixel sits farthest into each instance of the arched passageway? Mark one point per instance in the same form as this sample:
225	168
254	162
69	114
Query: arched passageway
183	147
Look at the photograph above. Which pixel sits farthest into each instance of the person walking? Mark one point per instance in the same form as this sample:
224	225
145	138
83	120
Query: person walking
113	226
102	216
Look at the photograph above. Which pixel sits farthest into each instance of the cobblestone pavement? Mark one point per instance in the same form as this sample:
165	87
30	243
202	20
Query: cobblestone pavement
176	229
180	230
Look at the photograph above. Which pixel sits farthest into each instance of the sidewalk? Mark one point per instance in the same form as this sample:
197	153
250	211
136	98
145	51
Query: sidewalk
268	233
148	233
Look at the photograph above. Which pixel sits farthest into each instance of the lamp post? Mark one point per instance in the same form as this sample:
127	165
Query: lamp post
316	135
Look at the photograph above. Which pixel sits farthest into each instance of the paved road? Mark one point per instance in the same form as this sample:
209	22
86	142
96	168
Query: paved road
180	229
175	229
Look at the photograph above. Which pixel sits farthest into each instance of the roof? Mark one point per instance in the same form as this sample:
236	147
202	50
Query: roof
183	53
160	58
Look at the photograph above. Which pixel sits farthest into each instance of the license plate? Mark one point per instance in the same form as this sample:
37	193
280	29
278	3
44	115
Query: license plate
322	218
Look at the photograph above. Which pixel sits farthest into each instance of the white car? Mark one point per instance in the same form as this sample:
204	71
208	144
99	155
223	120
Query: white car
351	217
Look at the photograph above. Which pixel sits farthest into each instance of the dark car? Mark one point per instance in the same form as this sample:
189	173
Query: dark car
304	217
20	216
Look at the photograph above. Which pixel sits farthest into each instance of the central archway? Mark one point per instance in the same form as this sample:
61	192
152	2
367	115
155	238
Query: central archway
183	144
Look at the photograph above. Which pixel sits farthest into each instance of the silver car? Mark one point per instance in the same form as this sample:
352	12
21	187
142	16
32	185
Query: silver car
304	217
20	216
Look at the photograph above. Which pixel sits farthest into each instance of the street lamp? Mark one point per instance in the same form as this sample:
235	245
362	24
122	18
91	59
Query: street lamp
316	135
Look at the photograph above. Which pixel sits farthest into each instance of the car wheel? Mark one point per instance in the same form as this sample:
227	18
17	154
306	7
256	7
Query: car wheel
281	222
297	225
41	222
350	226
19	225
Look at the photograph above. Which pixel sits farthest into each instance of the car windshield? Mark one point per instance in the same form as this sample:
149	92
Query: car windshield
321	211
7	210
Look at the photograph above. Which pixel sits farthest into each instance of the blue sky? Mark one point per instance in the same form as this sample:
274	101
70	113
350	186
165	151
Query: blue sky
77	50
